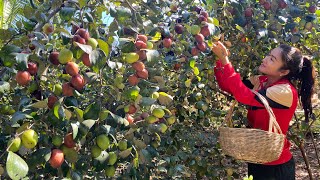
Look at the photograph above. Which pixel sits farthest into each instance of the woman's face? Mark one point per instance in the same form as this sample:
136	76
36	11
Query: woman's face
271	65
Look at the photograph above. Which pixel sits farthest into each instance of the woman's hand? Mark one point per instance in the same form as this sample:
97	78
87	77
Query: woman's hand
221	51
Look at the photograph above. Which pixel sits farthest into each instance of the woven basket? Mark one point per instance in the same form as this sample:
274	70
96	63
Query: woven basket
253	145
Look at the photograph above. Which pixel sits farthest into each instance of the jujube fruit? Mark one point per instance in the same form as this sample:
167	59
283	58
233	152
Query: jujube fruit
51	101
86	59
53	58
103	141
131	57
144	74
158	112
15	144
133	79
23	78
83	33
79	39
142	37
32	68
29	138
95	151
68	140
167	42
67	89
199	37
72	68
179	29
140	44
57	158
65	56
138	66
48	28
77	82
205	31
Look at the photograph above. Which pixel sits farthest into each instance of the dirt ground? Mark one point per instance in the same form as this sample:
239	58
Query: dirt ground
301	170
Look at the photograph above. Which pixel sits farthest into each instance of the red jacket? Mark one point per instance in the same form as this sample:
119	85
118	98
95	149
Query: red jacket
281	95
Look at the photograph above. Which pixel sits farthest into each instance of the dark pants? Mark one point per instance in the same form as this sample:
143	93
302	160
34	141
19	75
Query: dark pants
284	171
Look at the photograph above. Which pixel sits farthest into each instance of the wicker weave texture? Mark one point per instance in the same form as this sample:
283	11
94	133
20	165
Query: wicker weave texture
251	145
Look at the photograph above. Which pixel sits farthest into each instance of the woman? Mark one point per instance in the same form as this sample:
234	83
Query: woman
282	65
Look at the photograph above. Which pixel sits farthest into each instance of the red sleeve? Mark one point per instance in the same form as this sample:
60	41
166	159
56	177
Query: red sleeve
230	81
219	74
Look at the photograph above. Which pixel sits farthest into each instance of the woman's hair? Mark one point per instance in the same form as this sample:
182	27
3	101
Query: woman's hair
301	69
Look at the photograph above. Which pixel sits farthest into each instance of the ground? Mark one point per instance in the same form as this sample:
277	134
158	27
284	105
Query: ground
301	171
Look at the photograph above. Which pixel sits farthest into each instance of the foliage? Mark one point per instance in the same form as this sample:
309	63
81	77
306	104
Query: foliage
165	111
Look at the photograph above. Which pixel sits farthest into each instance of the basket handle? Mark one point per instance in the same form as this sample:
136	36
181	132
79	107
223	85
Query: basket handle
228	119
273	124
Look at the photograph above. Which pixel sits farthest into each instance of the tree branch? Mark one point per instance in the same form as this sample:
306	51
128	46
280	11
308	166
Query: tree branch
15	35
307	49
40	25
300	143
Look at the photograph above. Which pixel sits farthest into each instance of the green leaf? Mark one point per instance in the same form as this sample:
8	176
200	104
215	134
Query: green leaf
215	21
295	38
106	128
125	153
40	104
144	157
164	98
68	114
89	123
240	28
103	157
75	128
16	167
94	56
42	154
89	17
42	71
19	116
133	93
119	119
86	48
187	83
22	60
147	101
157	36
114	65
199	78
136	162
114	26
8	49
58	111
79	114
196	71
139	144
71	101
127	47
5	34
63	32
318	12
92	111
192	63
98	59
104	47
4	86
123	12
66	13
152	55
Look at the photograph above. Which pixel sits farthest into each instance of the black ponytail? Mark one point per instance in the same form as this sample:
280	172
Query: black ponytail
306	80
300	70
